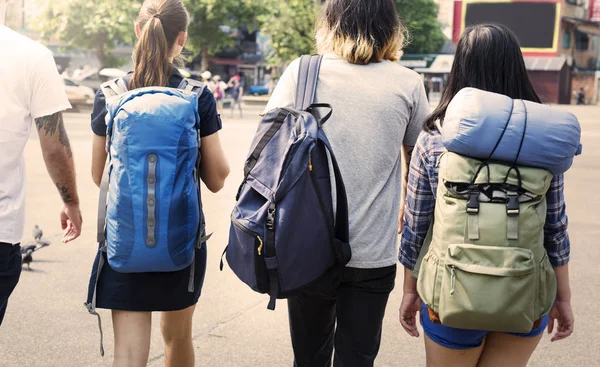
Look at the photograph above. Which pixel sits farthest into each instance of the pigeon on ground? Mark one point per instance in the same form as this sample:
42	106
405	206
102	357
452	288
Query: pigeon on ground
27	251
37	233
26	254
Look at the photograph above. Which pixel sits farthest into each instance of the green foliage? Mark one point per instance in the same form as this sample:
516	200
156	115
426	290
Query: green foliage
95	25
290	24
420	16
210	19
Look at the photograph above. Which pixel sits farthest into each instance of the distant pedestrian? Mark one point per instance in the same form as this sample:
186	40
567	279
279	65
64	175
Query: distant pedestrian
378	110
166	190
31	89
237	92
580	97
219	87
503	202
205	76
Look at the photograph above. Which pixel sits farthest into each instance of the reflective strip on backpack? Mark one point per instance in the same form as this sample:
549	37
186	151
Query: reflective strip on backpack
151	200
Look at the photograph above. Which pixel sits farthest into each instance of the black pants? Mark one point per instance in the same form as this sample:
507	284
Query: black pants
355	299
10	272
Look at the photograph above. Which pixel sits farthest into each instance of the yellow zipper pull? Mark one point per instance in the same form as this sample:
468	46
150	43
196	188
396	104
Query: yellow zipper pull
310	163
264	113
260	246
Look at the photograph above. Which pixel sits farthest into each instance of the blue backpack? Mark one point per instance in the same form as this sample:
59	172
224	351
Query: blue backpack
151	218
283	235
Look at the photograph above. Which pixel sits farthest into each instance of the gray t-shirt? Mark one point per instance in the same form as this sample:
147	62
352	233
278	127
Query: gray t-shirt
376	108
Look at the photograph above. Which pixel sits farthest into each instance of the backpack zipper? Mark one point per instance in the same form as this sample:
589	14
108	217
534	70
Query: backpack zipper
313	179
247	231
452	280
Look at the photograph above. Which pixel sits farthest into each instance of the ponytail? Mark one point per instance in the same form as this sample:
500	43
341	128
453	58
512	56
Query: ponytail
151	57
160	22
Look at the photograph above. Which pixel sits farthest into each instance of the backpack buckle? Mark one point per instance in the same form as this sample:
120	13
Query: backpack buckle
473	203
512	208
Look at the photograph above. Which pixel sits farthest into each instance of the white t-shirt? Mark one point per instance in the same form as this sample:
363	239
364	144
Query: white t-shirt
30	88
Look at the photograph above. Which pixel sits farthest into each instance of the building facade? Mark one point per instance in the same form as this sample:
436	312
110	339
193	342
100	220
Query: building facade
560	40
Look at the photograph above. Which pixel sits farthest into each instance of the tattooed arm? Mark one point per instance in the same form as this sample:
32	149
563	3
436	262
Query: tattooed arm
407	152
58	157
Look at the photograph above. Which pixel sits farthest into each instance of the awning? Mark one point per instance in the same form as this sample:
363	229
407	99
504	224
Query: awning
215	61
412	61
579	21
441	65
545	63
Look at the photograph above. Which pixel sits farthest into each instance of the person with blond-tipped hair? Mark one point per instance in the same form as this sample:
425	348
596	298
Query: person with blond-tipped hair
378	108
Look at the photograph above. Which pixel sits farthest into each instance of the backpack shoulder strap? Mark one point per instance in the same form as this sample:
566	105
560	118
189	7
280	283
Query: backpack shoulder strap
342	232
113	88
308	76
191	85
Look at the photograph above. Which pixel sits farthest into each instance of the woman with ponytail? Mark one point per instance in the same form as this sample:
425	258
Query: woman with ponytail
161	28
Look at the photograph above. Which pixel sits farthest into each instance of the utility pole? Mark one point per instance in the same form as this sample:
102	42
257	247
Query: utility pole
23	25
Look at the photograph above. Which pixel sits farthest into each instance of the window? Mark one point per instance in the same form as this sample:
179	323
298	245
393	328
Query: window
582	41
567	39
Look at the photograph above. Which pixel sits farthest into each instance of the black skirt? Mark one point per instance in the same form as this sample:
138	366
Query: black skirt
147	292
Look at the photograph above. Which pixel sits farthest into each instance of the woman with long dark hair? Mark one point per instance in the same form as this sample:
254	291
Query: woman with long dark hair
161	28
488	58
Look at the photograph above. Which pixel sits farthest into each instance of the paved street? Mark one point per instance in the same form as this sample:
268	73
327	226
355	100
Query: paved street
47	325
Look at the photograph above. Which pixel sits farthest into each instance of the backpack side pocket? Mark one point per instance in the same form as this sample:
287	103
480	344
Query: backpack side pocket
547	287
427	282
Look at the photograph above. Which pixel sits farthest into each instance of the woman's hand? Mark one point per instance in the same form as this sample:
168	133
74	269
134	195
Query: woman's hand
562	313
411	304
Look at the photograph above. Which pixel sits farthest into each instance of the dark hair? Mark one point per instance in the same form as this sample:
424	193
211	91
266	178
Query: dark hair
361	31
160	22
488	57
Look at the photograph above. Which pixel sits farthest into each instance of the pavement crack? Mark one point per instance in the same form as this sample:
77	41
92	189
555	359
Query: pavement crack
233	317
209	331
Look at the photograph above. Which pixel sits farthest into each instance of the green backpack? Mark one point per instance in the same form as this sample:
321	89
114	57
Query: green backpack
486	267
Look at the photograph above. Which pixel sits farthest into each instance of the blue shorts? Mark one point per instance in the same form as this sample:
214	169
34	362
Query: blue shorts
461	338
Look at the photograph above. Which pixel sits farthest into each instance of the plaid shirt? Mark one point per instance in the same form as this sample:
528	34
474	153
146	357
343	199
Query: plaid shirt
420	204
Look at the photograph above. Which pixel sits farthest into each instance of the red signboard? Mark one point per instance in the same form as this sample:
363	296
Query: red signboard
595	10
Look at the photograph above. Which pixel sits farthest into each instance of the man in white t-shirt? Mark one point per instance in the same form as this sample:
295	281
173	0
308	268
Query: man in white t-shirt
31	90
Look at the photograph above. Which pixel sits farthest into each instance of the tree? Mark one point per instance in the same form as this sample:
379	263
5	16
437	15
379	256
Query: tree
420	16
212	23
96	25
290	24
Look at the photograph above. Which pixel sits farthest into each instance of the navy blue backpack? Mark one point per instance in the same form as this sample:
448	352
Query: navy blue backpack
283	234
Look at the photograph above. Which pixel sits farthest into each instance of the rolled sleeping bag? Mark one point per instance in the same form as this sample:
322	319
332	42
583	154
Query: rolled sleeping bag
476	121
